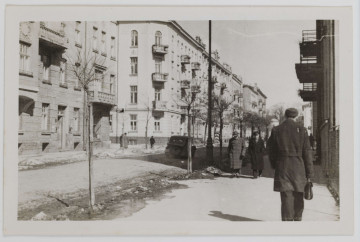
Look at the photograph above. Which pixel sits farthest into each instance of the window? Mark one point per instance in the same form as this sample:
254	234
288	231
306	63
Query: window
112	83
134	65
103	42
77	33
157	94
157	66
62	73
24	58
45	117
157	124
111	122
112	47
95	33
46	67
98	82
158	38
134	38
133	122
76	120
133	94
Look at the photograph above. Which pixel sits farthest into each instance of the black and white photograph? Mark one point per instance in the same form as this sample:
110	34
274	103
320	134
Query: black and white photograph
232	121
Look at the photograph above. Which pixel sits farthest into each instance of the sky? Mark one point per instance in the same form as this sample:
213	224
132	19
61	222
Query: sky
262	52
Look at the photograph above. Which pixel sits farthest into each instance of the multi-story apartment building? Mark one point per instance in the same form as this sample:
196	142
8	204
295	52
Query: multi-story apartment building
254	100
51	99
159	66
146	67
317	71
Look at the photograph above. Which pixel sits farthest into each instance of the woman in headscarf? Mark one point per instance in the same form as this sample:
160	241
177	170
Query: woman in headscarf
256	151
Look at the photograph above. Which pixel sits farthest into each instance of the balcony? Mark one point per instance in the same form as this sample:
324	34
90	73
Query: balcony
102	97
309	92
159	77
185	59
195	65
160	49
159	106
185	84
309	45
52	38
195	88
309	72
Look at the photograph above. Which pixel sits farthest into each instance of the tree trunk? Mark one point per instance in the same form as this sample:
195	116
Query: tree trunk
85	117
206	124
90	160
220	138
241	129
189	142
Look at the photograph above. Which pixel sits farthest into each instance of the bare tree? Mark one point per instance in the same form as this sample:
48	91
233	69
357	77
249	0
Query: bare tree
221	105
82	67
148	107
278	111
187	99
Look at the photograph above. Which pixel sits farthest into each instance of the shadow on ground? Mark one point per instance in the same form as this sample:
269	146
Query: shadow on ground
230	217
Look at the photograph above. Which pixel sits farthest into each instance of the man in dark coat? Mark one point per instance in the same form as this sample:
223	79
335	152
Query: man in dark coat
256	151
125	141
152	142
291	157
236	152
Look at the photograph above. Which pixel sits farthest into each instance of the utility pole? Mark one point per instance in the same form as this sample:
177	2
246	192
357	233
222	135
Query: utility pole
209	145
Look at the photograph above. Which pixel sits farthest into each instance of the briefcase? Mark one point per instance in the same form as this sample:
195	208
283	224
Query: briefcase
308	193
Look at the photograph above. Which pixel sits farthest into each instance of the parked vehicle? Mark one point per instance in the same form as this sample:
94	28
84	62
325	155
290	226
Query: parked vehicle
177	147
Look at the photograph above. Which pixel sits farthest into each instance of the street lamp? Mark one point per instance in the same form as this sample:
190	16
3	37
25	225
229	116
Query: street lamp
209	145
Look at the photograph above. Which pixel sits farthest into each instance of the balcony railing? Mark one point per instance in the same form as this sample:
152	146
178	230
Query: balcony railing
52	36
309	72
185	59
309	45
102	97
309	92
185	84
195	65
160	77
159	105
195	88
160	49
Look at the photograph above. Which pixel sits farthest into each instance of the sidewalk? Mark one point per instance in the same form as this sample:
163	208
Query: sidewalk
232	199
27	162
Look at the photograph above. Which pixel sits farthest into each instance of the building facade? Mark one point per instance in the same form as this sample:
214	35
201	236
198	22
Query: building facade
317	71
254	100
51	99
160	67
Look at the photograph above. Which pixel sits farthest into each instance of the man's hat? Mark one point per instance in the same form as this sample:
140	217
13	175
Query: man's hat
291	113
256	131
235	133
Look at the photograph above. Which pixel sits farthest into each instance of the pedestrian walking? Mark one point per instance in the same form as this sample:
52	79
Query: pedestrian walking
121	141
236	152
312	141
291	157
152	141
125	141
256	152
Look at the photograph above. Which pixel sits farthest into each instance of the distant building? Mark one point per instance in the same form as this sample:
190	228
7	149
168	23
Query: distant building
254	100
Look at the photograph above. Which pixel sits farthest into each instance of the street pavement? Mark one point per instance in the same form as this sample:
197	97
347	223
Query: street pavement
232	199
235	199
37	184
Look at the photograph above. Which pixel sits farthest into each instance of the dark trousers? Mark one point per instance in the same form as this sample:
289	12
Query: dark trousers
292	205
257	173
